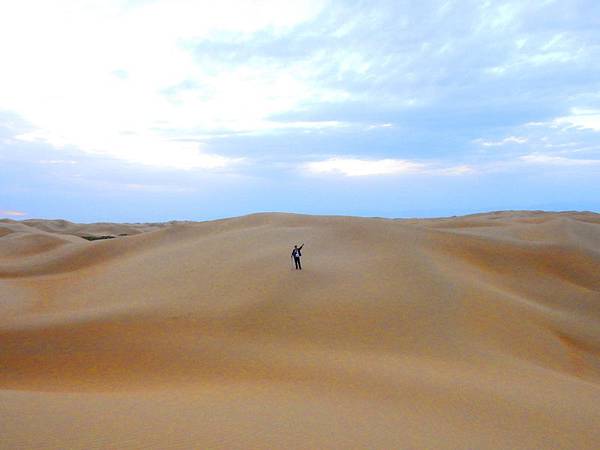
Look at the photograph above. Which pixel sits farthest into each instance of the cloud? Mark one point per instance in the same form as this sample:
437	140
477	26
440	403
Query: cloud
585	119
146	149
357	167
553	160
196	85
462	169
360	167
152	188
379	125
540	51
109	92
57	161
309	125
11	213
508	140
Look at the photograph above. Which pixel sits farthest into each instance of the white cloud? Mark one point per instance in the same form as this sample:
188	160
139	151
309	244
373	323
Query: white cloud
308	125
379	126
147	149
463	169
539	51
357	167
361	167
508	140
540	158
587	119
93	75
57	161
8	212
157	188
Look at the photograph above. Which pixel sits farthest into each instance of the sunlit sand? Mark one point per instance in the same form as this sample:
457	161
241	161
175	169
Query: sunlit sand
478	332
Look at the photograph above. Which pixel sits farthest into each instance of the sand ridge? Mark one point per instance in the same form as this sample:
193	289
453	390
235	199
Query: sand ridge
470	332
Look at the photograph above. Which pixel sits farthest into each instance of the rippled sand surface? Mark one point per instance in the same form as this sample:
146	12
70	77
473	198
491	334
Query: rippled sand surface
479	332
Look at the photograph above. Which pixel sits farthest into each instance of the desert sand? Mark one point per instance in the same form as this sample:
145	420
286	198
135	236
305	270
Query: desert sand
476	332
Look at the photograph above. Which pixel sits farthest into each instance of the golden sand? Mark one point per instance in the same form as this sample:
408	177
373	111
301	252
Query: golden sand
477	332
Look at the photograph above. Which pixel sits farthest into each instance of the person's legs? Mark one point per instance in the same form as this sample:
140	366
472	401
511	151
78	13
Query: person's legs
297	262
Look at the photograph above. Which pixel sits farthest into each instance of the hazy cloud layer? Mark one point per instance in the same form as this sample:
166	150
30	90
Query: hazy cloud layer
256	93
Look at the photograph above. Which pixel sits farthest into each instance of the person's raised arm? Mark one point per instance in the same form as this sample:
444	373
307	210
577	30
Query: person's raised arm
300	248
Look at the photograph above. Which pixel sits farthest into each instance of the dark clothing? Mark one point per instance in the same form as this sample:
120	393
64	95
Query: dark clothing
296	254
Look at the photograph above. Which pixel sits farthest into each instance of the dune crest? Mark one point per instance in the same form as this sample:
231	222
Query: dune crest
480	331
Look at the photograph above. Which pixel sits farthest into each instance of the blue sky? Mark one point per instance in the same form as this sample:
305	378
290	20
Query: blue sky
168	109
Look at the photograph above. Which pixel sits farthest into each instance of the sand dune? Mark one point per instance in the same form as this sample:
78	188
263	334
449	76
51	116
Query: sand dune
479	332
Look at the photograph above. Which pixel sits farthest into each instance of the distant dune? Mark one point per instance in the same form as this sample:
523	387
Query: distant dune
475	332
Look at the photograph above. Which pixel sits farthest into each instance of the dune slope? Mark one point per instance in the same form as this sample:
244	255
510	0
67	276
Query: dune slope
470	332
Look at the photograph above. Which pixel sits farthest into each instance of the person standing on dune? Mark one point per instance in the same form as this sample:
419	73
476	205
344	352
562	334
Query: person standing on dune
296	256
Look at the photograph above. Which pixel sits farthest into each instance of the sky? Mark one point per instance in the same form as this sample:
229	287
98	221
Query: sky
144	111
